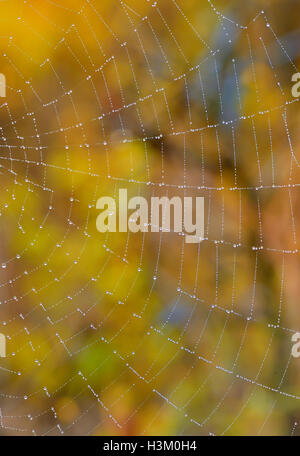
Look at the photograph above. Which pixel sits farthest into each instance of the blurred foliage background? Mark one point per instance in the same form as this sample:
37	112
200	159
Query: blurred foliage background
128	334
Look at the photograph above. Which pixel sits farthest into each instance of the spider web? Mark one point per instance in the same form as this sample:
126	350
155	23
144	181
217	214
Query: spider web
144	334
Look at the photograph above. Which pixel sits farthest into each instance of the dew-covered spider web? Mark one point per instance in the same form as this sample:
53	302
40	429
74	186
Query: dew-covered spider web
142	333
